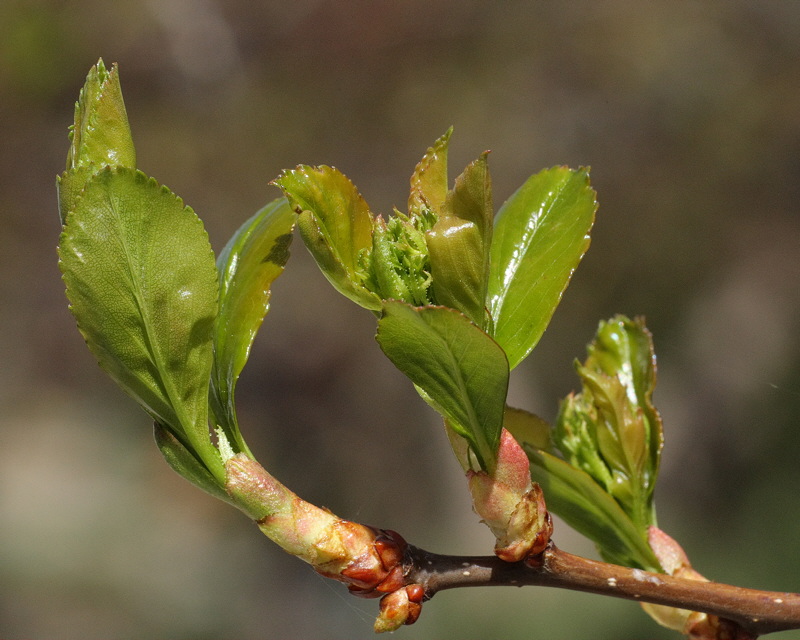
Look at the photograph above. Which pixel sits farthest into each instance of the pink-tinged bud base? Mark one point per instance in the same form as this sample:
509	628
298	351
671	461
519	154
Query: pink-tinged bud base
369	561
510	504
675	562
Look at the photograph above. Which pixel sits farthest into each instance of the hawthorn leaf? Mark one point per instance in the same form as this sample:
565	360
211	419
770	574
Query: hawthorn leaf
573	495
185	464
528	427
429	180
335	224
99	137
471	198
540	236
611	429
142	285
457	267
461	370
248	265
459	243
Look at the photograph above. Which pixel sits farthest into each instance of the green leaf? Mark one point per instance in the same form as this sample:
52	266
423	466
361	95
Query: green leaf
462	370
335	224
471	198
457	267
459	244
142	284
248	265
611	429
624	348
528	427
584	505
99	137
429	180
540	236
185	464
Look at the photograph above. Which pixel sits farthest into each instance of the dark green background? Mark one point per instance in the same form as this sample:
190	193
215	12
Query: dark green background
687	112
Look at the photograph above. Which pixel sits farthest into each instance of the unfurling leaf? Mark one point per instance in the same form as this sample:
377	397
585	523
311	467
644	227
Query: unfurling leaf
429	181
459	243
457	267
610	436
142	284
540	236
248	265
460	369
336	225
99	137
573	495
612	430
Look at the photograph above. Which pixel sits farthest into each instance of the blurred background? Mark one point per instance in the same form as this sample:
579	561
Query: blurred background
687	112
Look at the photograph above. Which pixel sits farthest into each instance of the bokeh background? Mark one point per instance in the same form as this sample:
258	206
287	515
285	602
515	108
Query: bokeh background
689	115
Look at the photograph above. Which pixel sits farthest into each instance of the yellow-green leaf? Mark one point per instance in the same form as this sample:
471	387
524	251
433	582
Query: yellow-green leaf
335	224
248	265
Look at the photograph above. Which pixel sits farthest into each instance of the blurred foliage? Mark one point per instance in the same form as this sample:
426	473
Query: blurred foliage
687	114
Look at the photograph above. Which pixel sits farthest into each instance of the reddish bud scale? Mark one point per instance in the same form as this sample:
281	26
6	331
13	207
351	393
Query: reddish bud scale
400	607
374	582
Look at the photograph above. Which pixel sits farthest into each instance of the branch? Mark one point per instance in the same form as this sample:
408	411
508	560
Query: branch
756	612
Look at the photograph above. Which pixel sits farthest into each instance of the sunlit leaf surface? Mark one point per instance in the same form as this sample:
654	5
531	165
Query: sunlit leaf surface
142	284
248	265
540	236
460	368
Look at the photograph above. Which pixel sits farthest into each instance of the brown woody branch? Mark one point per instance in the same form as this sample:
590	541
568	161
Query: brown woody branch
755	612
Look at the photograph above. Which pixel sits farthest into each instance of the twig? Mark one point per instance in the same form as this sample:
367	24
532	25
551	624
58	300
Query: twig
756	612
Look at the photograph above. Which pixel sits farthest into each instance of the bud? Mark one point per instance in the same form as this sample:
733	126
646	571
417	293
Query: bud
370	561
398	267
675	562
510	504
611	430
400	607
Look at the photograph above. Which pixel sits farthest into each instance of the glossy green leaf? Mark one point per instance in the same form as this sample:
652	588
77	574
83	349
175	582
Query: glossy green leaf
459	244
429	180
462	370
335	224
142	284
99	137
457	267
248	265
540	236
584	505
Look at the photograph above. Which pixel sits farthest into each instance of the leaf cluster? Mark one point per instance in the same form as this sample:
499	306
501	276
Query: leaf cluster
169	323
461	297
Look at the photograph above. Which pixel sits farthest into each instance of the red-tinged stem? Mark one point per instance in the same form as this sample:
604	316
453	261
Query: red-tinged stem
755	612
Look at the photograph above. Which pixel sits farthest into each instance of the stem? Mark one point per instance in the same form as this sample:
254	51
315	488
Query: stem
756	612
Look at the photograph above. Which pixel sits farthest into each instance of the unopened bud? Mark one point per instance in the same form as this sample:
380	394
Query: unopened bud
400	607
675	562
510	505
